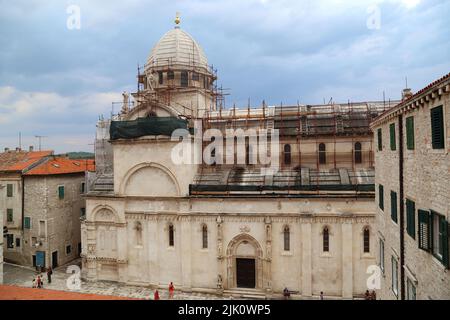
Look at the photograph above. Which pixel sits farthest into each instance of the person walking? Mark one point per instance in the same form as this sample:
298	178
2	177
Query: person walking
39	282
33	284
321	295
156	296
373	295
49	274
171	290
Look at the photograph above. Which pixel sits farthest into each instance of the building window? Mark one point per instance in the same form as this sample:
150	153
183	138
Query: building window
138	229
286	236
322	154
381	257
366	240
358	152
394	206
326	239
381	196
204	236
9	190
439	237
184	80
83	212
437	128
410	133
171	236
394	277
410	290
42	229
27	223
424	230
68	249
9	215
170	75
287	154
17	242
10	241
392	136
411	218
83	187
380	140
61	192
160	77
195	76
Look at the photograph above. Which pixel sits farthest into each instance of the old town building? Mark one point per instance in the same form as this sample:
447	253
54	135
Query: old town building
413	194
229	228
43	201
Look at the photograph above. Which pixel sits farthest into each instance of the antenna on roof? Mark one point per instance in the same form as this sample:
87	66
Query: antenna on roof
406	82
20	140
39	139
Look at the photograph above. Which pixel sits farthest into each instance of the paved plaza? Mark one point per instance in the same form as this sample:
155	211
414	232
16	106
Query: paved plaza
23	277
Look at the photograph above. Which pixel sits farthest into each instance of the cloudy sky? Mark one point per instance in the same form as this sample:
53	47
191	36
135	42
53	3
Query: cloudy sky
55	81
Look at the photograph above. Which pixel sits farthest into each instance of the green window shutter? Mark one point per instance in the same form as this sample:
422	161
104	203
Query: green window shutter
27	223
9	215
381	197
392	136
410	218
394	206
444	226
380	140
410	133
9	190
437	128
424	230
61	192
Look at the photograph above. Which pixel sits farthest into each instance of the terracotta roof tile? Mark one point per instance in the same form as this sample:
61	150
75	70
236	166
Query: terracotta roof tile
62	165
20	160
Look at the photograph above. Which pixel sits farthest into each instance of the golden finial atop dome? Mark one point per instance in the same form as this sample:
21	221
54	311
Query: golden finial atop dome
177	20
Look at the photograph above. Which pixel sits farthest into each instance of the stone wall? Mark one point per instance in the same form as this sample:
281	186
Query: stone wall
426	176
55	223
304	268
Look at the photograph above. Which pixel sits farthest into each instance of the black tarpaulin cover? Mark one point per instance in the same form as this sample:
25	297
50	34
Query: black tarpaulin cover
146	127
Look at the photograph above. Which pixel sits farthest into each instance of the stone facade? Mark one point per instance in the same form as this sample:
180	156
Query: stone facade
2	194
426	172
54	222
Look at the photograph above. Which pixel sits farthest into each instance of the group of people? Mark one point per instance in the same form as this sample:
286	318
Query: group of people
370	295
38	282
171	292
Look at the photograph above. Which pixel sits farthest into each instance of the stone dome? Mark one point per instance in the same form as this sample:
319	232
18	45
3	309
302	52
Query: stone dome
177	47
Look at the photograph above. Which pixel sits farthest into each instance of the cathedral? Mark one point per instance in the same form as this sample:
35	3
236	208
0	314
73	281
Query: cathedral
231	228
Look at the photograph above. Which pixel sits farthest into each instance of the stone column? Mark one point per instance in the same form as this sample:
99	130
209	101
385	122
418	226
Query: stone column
347	259
122	251
306	259
220	259
185	253
90	249
267	275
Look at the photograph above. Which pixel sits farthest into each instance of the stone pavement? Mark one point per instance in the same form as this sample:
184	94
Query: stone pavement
23	277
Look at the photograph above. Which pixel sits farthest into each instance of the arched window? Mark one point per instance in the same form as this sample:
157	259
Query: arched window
366	239
184	82
213	152
247	151
286	237
204	236
322	154
138	228
171	235
326	239
170	75
358	154
287	154
160	77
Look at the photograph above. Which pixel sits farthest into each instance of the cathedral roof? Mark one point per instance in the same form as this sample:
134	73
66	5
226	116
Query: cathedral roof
177	47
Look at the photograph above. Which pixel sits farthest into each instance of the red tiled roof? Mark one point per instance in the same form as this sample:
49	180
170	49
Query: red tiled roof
62	165
20	160
415	95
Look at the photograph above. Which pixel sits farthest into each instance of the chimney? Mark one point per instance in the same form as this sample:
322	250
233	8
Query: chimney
31	148
6	149
17	149
406	94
